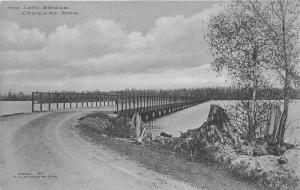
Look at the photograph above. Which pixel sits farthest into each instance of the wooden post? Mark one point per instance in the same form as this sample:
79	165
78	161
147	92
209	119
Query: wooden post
129	104
32	102
157	100
49	101
125	104
96	98
144	102
134	101
141	102
108	98
76	97
137	102
147	102
64	100
152	102
117	103
41	101
154	99
274	121
122	102
100	99
92	100
160	100
70	100
82	100
87	100
57	100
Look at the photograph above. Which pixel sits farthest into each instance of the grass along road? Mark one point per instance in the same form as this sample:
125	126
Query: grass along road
46	144
203	175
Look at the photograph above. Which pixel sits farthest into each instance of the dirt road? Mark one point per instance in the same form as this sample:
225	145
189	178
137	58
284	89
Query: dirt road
42	151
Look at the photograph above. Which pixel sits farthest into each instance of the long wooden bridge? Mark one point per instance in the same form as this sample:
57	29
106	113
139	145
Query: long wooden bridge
149	105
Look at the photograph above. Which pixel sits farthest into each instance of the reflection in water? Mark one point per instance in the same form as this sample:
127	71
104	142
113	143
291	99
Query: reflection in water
195	116
183	120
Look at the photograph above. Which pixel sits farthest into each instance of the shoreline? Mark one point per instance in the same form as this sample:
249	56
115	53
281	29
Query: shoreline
162	159
251	172
200	174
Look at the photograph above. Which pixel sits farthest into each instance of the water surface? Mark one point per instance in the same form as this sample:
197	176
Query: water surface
194	117
12	107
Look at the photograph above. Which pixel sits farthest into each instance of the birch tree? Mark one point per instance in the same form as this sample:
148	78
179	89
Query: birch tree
280	25
238	47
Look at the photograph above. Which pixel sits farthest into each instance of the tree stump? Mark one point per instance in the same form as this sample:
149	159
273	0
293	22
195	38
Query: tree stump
217	129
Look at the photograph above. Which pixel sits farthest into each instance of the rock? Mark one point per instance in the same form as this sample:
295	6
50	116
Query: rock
260	150
282	160
165	134
217	141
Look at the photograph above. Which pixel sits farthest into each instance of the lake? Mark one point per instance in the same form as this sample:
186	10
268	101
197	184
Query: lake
179	121
11	107
195	116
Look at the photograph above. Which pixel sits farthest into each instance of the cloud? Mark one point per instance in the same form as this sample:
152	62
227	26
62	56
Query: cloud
105	49
91	39
13	37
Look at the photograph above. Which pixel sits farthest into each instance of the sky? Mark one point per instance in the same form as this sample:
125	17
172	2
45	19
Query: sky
106	46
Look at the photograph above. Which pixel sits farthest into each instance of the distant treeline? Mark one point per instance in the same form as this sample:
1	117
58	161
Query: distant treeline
10	96
223	93
216	93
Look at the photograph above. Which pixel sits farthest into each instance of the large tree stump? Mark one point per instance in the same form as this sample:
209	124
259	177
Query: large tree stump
217	116
217	129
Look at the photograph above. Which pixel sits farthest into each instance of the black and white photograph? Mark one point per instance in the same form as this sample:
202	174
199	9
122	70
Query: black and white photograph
146	95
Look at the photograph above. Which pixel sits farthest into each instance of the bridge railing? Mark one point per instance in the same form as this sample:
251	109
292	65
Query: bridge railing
45	101
129	103
122	103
